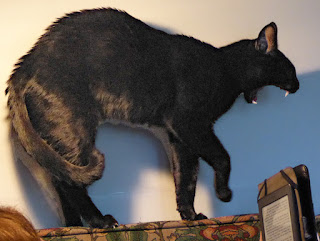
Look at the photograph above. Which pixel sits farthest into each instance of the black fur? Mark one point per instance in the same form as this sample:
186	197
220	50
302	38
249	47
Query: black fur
103	64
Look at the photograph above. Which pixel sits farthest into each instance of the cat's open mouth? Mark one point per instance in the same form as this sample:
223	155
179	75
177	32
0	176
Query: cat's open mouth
251	96
289	88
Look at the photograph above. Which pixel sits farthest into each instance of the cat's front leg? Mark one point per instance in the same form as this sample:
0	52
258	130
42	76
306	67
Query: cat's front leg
198	135
185	166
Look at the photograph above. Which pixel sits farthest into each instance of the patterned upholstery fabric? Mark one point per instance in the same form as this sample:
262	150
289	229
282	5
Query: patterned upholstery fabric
244	227
238	228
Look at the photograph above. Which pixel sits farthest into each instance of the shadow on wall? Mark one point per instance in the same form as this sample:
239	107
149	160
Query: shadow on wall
136	164
261	139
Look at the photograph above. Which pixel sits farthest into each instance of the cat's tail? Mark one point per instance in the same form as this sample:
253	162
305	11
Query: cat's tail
40	151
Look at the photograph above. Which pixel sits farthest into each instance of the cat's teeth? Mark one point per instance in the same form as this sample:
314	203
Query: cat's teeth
254	102
287	92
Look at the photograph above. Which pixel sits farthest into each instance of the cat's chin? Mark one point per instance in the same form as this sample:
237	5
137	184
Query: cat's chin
251	96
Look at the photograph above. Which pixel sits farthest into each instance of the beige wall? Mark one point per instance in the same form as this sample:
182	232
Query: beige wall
218	22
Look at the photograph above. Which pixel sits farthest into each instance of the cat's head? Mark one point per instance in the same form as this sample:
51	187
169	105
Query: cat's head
269	66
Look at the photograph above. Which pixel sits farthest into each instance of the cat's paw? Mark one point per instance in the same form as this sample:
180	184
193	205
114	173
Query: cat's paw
224	194
200	216
188	213
106	221
110	222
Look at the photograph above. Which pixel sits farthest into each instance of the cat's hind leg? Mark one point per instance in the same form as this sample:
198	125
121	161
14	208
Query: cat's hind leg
77	203
69	129
70	213
76	197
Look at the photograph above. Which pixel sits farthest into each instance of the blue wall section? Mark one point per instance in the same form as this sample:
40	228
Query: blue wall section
265	138
261	140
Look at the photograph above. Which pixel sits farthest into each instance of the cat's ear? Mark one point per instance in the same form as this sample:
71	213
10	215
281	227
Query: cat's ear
267	39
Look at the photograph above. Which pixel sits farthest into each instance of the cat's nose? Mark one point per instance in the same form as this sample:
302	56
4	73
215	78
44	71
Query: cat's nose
293	87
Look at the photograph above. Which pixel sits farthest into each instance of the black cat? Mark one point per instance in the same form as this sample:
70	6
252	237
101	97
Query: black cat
104	65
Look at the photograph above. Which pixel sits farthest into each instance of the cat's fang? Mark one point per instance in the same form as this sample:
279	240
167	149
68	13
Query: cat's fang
254	102
287	92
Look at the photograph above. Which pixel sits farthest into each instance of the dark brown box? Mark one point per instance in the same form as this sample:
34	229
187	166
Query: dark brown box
285	206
